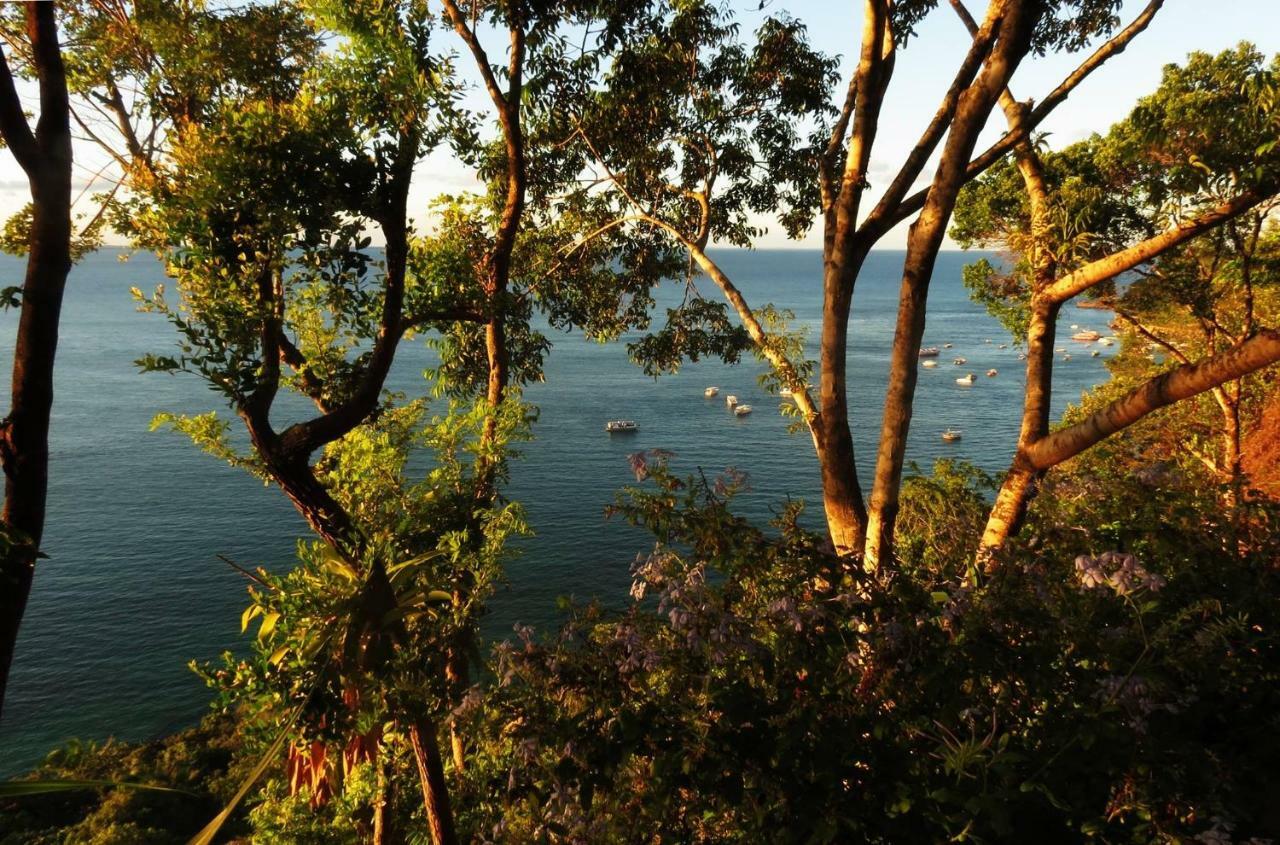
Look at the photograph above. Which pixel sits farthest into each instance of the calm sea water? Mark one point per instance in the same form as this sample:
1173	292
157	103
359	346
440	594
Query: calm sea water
133	589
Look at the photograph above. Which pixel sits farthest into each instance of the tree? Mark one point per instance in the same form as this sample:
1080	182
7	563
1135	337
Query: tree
45	155
257	195
1077	221
696	167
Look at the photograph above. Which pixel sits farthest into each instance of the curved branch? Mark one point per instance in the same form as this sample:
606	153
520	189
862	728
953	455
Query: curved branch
1096	272
1261	350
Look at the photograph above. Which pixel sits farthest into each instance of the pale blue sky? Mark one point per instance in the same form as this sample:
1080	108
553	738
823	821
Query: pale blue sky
923	71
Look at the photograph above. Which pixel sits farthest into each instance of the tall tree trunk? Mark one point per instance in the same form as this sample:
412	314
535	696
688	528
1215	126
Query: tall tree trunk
24	434
1015	492
841	492
923	242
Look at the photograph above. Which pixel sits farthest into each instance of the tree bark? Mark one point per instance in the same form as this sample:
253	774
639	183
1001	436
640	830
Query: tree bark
1019	484
435	793
45	155
843	254
923	241
1250	355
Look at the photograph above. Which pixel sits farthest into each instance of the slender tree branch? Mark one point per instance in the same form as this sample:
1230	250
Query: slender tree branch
13	122
996	151
1261	350
1113	265
983	37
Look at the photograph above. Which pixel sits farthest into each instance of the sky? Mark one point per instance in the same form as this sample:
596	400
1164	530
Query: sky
923	71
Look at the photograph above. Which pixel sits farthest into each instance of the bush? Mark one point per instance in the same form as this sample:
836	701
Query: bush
1116	684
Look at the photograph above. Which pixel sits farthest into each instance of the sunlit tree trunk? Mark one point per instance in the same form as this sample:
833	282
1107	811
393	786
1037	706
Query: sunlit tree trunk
1036	454
45	155
923	242
1015	492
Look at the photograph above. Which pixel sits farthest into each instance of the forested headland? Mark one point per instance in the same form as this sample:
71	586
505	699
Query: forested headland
1083	647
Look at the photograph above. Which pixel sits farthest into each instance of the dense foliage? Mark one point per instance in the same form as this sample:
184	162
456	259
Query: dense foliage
1110	675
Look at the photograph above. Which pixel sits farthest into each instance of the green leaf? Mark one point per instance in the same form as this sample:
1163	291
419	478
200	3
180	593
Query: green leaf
21	788
205	836
268	624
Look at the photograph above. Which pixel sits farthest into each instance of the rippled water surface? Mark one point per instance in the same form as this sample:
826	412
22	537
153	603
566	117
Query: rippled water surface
133	590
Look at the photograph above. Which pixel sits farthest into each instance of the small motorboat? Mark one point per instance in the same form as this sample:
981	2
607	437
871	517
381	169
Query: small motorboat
1085	335
950	435
959	362
988	340
929	365
1059	349
966	381
1107	341
731	400
947	345
742	410
929	352
620	426
1022	356
1003	346
786	393
1066	357
1095	353
992	373
710	391
1074	327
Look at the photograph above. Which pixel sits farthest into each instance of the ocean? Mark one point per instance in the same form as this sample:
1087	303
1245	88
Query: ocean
133	589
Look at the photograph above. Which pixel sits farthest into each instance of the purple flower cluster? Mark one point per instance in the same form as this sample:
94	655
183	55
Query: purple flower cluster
1117	571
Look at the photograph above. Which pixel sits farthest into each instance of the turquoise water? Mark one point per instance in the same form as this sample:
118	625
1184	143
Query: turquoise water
133	589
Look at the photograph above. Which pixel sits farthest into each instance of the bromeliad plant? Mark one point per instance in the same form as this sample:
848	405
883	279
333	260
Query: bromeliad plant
350	658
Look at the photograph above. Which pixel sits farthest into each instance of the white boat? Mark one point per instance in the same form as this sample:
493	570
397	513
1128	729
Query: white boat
929	352
929	364
988	340
1107	341
1003	346
1022	356
1086	335
947	345
966	381
742	410
710	391
1074	327
992	373
617	426
1095	353
1067	357
1059	349
731	400
786	393
960	361
950	435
